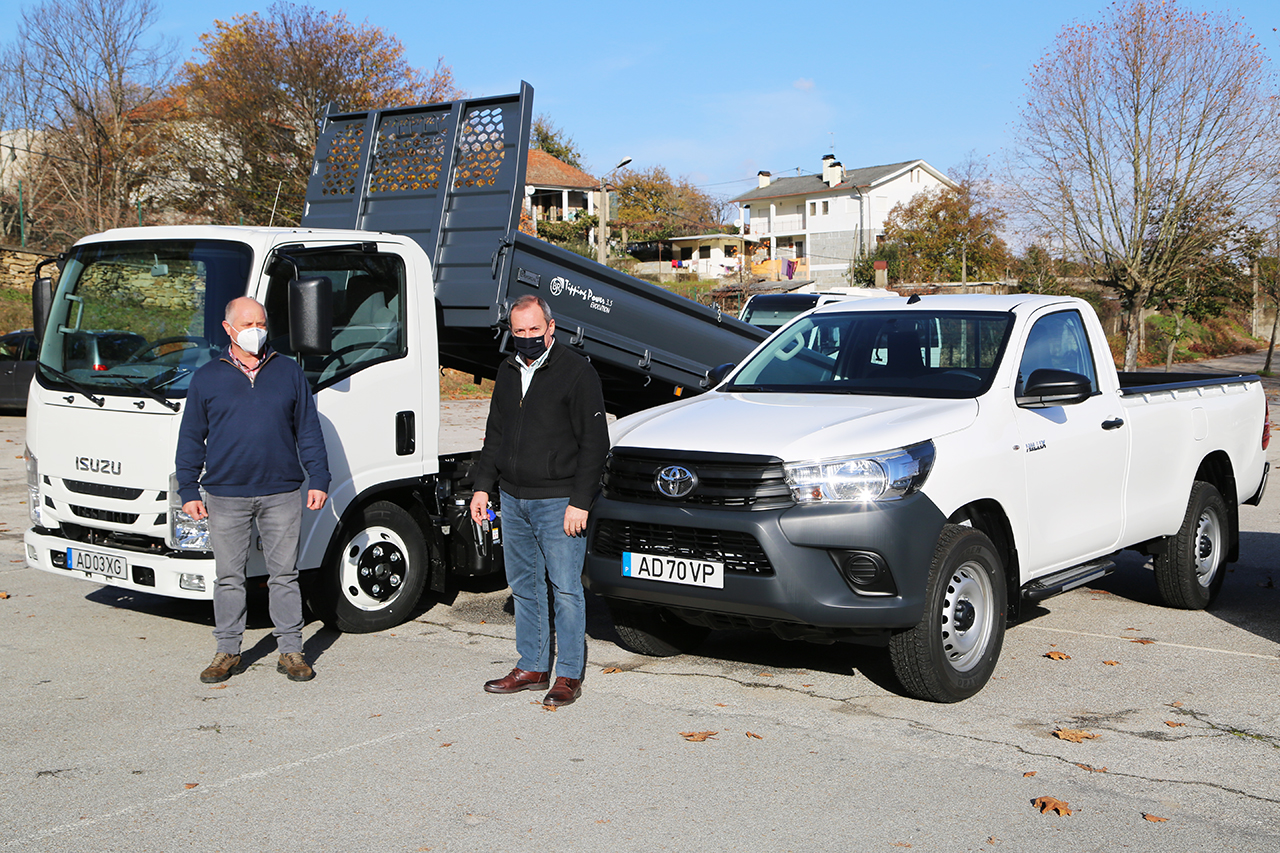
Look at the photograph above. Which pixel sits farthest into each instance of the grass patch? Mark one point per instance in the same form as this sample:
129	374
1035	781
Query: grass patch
15	310
456	385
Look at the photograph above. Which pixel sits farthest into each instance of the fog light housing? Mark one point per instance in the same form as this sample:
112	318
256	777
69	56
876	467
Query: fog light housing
191	581
865	572
33	555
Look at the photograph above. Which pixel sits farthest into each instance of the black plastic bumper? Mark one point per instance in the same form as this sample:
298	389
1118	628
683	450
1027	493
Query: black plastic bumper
805	586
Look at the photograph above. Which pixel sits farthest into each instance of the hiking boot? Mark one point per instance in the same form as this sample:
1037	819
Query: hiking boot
223	667
294	665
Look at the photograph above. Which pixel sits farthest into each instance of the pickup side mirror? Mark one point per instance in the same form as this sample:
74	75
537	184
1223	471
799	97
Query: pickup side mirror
1047	387
311	316
41	304
717	374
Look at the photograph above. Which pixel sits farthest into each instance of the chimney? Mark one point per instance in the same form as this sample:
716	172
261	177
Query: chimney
765	178
832	172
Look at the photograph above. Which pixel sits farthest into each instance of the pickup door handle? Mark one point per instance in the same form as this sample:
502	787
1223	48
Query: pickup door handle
1114	423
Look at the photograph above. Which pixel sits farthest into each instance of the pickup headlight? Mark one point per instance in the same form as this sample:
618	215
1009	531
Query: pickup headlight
34	501
861	479
185	533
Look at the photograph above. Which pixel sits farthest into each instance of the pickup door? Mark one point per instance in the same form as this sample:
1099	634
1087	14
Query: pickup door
1076	456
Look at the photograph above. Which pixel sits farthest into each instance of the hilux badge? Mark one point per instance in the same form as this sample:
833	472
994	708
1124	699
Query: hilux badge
675	481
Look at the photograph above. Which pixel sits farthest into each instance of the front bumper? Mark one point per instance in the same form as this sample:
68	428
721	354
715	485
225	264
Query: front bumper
147	572
802	584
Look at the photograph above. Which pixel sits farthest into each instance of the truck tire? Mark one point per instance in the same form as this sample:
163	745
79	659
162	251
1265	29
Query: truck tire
375	579
654	632
950	654
1191	570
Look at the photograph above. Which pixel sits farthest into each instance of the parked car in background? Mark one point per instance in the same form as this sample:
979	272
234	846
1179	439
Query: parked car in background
17	366
772	311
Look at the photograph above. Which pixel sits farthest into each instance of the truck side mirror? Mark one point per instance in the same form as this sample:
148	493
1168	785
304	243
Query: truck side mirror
1047	387
311	316
41	304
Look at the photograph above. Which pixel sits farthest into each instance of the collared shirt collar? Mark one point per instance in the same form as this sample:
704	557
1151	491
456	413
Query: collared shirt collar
527	370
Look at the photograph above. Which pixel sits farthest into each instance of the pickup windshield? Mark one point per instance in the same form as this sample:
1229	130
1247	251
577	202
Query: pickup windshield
896	353
131	317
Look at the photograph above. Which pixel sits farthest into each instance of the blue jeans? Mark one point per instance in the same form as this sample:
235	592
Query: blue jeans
544	571
231	534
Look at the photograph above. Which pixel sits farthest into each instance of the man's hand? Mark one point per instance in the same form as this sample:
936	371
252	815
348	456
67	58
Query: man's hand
195	509
480	507
316	499
575	521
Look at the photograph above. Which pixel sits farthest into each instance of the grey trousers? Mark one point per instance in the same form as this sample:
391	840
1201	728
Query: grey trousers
231	534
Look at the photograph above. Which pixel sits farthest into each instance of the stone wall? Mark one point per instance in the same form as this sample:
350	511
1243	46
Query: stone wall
17	267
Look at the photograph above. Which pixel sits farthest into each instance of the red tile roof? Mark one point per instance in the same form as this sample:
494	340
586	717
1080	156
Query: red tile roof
546	171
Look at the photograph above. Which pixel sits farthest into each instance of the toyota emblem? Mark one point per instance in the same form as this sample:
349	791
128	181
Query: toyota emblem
675	481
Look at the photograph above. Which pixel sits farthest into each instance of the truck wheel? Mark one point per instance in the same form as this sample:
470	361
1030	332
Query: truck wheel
655	632
377	576
1190	571
950	654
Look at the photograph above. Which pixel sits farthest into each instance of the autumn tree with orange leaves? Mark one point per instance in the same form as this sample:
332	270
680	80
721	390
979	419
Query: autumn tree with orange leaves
1133	120
259	97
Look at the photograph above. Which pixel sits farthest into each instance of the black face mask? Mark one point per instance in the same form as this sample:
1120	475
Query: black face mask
531	348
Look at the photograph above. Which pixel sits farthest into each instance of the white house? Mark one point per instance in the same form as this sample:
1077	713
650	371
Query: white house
813	226
710	255
556	191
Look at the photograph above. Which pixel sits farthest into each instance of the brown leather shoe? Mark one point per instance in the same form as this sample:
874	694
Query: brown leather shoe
223	667
564	693
516	680
294	665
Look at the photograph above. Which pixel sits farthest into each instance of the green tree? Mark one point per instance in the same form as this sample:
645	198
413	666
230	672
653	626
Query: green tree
1128	121
654	206
1036	270
946	234
259	96
546	136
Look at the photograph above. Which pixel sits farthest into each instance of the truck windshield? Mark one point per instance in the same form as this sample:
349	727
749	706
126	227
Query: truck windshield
898	353
772	311
131	317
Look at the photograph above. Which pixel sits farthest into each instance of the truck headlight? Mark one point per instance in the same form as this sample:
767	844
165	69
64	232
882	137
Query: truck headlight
861	479
34	501
185	533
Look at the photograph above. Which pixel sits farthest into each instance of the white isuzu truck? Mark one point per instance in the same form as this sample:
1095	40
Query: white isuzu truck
407	260
908	472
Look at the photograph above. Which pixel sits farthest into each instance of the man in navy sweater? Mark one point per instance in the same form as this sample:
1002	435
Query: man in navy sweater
249	417
544	447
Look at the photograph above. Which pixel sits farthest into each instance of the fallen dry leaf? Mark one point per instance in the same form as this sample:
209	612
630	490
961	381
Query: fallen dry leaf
443	745
1028	773
1091	768
1073	735
1112	662
548	707
806	685
371	716
721	705
1143	640
1051	804
191	785
218	687
4	595
754	735
697	737
901	844
1101	592
1155	819
1057	656
1175	704
610	670
1173	724
766	674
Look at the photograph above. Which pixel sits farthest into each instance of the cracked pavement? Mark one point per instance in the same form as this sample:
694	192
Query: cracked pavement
111	743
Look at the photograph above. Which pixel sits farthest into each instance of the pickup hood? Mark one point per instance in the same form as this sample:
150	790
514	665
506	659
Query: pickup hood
793	427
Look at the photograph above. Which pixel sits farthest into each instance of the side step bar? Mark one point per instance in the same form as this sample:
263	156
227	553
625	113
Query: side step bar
1058	582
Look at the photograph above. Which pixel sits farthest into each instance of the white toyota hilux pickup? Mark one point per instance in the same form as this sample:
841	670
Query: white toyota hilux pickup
908	472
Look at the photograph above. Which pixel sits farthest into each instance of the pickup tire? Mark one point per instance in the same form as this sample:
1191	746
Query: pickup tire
653	631
374	581
1190	571
950	654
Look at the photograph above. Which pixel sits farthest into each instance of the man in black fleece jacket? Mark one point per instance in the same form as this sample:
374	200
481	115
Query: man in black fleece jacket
544	447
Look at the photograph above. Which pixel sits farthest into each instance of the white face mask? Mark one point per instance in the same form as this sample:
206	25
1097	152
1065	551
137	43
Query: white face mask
252	340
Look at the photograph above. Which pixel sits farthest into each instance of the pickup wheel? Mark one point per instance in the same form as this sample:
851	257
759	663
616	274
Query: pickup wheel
654	632
950	654
376	578
1190	571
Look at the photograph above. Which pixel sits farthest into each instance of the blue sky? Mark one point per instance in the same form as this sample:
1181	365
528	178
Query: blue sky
717	91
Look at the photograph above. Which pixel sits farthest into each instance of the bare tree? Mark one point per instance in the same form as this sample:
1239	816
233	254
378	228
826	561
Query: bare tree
1132	118
83	77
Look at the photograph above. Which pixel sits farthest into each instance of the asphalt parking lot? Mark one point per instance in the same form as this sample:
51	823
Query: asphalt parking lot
109	742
